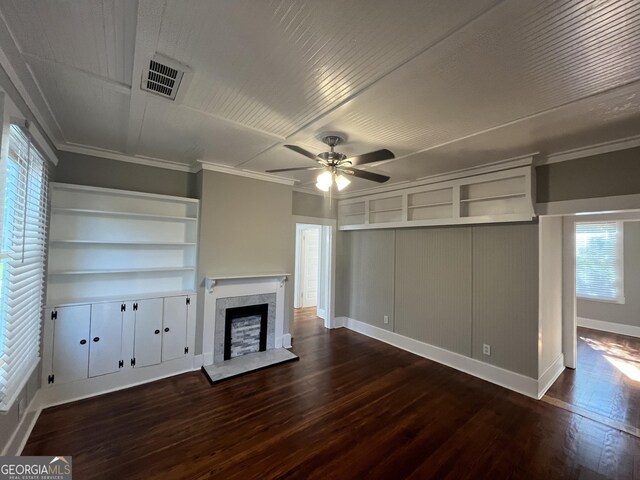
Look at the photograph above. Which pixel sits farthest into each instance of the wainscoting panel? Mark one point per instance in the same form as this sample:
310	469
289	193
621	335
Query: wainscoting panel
433	287
505	296
368	280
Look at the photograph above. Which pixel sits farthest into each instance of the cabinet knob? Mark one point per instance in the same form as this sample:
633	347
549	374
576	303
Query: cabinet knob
96	339
157	332
83	341
166	329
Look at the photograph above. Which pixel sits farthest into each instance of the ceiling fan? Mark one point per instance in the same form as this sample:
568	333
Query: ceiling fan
336	165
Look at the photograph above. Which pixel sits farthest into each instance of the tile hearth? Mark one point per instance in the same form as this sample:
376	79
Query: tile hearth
247	363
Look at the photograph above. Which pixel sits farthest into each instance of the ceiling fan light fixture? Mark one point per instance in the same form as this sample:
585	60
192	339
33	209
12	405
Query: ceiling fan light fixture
324	181
341	181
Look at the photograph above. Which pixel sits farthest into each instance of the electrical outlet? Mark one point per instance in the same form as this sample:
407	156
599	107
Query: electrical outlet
386	319
486	349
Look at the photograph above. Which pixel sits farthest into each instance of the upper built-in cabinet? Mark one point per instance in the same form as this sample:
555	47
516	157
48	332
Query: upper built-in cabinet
107	243
503	196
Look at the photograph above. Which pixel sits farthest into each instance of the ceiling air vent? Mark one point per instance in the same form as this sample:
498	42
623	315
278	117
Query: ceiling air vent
162	76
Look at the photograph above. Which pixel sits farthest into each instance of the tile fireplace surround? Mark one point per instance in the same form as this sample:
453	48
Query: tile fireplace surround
224	292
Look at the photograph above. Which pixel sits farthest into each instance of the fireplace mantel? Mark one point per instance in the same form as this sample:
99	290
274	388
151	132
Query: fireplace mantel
211	281
225	286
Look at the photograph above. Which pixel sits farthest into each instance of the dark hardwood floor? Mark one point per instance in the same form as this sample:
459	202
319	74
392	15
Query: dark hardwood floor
606	381
352	407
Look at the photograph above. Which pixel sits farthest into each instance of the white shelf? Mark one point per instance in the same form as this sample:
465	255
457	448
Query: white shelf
84	211
429	205
124	243
492	197
500	196
59	302
383	210
122	270
116	244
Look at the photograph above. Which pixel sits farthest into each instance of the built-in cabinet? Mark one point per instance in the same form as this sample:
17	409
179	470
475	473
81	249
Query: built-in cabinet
107	338
120	304
503	196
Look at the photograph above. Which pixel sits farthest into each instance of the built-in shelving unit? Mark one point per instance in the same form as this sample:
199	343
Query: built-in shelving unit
501	196
107	243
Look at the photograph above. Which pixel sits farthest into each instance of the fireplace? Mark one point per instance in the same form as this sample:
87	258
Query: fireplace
245	330
244	324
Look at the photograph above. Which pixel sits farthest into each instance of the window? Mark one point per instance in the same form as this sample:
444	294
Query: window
24	178
599	250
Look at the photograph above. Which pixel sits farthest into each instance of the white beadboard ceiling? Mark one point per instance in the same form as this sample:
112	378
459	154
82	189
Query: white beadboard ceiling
444	84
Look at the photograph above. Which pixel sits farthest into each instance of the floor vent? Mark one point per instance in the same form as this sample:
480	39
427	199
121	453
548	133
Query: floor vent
161	78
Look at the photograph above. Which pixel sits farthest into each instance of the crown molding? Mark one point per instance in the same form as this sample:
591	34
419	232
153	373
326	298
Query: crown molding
500	165
589	151
311	191
121	157
215	167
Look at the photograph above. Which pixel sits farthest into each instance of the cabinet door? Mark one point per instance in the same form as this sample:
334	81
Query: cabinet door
174	328
148	336
105	352
71	343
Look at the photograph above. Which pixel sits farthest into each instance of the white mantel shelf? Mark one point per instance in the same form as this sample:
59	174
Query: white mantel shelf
211	280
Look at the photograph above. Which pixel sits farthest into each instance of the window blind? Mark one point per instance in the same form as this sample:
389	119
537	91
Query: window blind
23	238
599	271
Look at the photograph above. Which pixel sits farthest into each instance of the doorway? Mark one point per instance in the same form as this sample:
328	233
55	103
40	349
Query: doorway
314	262
601	319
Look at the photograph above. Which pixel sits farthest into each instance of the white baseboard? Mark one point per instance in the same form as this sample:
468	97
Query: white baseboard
286	340
21	434
513	381
339	322
611	327
550	375
198	362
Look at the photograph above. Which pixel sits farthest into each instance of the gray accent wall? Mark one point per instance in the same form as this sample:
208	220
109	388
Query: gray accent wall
604	175
505	296
310	205
368	262
102	172
629	312
432	284
456	288
245	229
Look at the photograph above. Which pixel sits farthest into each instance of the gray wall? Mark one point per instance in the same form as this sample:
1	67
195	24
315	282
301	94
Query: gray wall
101	172
9	421
245	228
309	205
629	312
456	288
608	174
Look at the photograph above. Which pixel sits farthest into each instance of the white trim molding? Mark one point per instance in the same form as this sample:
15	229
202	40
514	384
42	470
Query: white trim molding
122	157
593	205
590	150
550	375
611	327
222	286
267	177
513	381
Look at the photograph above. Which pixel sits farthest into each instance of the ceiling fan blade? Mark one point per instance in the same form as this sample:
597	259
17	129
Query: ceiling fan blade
375	177
376	156
293	169
304	152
